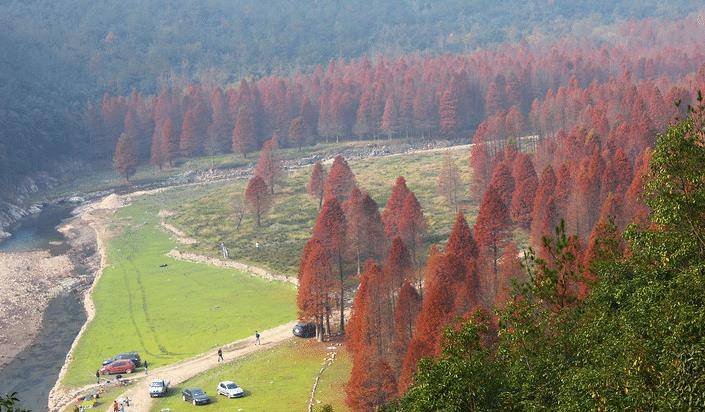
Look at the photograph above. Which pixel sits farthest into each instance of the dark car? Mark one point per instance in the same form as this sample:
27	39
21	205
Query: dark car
118	366
195	395
133	356
305	330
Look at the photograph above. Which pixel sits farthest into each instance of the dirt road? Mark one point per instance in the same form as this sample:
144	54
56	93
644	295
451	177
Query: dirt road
181	371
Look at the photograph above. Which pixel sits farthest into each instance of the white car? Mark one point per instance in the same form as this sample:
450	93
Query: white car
229	389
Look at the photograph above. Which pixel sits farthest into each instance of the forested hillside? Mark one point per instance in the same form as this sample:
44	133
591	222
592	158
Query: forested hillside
60	54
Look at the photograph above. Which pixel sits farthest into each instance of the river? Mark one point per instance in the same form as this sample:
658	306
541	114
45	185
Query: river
33	372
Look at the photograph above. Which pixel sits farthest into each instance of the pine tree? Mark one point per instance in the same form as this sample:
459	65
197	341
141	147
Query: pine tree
340	180
258	198
126	159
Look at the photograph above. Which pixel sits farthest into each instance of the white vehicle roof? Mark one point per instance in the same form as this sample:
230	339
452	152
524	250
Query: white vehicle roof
227	382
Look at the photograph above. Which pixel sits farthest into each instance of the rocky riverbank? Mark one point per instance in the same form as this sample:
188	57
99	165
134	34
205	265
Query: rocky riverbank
29	280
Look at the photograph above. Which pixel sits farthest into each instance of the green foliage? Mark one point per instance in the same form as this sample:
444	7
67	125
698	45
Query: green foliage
10	403
637	342
459	380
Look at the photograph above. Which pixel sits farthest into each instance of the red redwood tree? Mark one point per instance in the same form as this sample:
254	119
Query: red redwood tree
316	183
315	286
449	182
544	192
220	126
526	183
297	131
244	133
412	226
193	131
258	198
392	210
340	180
502	183
365	236
390	118
331	230
406	311
397	266
126	157
436	311
492	229
372	382
269	167
169	143
510	272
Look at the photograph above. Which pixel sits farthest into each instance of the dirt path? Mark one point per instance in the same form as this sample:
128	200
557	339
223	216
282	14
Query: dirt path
184	370
233	264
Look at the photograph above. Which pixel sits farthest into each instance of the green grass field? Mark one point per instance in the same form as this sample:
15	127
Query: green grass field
171	313
276	379
210	219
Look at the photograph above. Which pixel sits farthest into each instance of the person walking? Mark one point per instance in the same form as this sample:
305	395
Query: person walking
122	406
116	407
257	335
146	365
220	355
97	376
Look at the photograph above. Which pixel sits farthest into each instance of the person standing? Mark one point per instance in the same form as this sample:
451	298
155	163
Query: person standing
220	355
257	335
146	365
97	376
116	407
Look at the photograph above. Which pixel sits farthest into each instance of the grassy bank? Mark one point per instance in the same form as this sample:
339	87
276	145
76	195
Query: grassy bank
104	177
276	379
210	219
173	312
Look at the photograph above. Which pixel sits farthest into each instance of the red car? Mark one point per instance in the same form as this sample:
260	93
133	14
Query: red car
118	366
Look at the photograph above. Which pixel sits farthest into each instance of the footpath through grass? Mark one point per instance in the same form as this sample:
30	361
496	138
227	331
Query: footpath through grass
275	379
169	313
210	219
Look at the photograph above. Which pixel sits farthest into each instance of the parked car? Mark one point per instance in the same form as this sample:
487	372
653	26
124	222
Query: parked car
229	389
158	387
305	330
195	395
133	356
118	366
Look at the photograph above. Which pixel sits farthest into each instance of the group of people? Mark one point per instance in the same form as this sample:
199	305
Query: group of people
257	342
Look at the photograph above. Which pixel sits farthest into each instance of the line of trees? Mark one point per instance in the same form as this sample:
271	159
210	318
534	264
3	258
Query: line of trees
415	96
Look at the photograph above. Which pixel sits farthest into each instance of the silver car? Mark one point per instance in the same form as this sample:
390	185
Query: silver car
229	389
